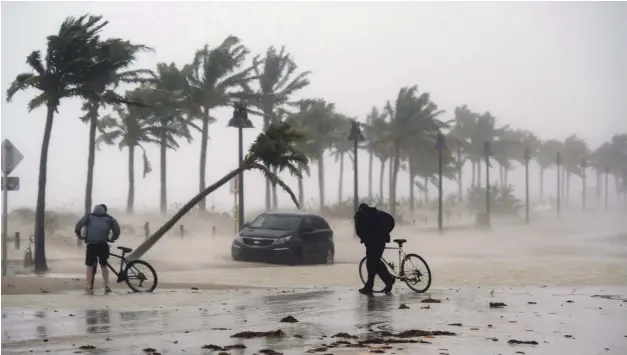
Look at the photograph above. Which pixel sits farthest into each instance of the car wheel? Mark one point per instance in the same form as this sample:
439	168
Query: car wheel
329	257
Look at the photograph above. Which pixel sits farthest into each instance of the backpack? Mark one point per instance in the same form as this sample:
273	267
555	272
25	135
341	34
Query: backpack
386	220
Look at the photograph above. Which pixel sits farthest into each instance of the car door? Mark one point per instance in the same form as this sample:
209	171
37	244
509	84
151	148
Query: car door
324	234
308	236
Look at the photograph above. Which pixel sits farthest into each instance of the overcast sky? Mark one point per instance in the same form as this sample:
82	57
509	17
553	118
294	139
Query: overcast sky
553	68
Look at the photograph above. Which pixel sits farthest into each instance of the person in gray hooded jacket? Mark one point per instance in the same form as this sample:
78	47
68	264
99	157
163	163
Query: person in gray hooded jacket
97	225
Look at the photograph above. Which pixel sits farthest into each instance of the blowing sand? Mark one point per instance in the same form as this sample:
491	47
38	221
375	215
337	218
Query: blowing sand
577	250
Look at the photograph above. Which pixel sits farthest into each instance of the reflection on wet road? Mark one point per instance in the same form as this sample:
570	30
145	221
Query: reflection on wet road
567	320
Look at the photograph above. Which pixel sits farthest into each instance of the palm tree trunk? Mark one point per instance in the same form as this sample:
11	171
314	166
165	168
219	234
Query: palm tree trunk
154	238
204	140
599	186
541	184
412	175
91	156
568	187
479	182
501	175
506	176
267	112
474	174
397	163
275	197
460	168
41	265
321	180
163	146
339	190
130	200
381	175
425	192
301	193
370	176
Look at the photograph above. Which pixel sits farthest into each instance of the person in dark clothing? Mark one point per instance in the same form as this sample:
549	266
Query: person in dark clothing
97	227
371	229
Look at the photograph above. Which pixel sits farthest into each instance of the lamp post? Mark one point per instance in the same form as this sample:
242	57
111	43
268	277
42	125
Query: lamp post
607	174
584	165
240	121
527	157
356	136
486	151
440	145
558	162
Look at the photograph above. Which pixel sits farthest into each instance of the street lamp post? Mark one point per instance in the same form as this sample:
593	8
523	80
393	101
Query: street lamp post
607	174
356	136
240	121
486	151
440	145
584	165
558	162
527	157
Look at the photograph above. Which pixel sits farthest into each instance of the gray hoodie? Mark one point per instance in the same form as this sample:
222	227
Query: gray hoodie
98	225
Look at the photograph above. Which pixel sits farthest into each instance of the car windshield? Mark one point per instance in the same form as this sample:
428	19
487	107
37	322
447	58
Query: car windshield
279	222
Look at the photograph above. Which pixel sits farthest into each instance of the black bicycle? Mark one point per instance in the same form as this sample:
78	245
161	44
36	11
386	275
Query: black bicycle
409	272
129	272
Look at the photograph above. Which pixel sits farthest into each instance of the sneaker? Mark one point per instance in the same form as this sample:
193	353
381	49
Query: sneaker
107	290
365	291
388	287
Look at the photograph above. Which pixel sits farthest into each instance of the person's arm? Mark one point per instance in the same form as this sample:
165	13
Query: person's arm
115	228
79	226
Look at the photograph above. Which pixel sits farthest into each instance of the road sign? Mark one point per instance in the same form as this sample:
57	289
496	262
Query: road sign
13	183
11	157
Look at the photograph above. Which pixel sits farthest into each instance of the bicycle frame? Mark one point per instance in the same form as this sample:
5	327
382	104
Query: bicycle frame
119	274
401	256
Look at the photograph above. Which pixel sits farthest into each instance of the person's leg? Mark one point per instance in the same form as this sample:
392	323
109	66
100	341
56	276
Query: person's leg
373	258
90	260
102	258
382	270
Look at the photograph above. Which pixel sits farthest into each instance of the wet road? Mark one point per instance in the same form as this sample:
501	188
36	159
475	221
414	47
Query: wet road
564	320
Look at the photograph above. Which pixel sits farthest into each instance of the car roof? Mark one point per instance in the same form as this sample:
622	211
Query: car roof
292	213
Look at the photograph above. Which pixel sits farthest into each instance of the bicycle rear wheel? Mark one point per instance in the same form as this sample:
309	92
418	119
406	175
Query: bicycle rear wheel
140	276
416	273
379	285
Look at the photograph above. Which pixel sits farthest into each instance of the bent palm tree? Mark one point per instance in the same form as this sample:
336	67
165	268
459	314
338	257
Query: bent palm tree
214	76
57	77
274	148
111	57
277	82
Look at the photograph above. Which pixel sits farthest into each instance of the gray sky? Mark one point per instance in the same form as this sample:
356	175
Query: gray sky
553	68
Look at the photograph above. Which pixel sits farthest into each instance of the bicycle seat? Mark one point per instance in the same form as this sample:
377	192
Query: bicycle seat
125	250
399	241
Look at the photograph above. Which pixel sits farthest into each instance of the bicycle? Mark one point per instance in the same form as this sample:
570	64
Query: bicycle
411	278
130	272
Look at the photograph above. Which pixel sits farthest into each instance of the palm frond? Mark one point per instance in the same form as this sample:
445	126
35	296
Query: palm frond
275	180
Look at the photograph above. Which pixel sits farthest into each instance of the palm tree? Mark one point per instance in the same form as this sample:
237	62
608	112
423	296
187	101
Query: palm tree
111	58
341	147
319	119
214	78
276	147
375	122
278	81
171	111
458	140
306	145
132	128
412	120
546	158
58	76
575	149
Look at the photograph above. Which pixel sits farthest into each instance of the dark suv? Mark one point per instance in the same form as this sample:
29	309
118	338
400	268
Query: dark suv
290	237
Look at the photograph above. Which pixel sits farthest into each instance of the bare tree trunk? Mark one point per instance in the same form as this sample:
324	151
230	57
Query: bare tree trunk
204	140
370	176
321	180
339	190
381	176
154	238
130	199
91	156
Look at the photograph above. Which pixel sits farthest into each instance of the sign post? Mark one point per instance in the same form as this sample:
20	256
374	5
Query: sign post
11	158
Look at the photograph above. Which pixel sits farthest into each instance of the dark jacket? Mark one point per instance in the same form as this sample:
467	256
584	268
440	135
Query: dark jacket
97	226
369	227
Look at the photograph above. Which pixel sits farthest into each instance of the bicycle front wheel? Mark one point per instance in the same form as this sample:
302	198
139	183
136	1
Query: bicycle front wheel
416	273
379	285
140	276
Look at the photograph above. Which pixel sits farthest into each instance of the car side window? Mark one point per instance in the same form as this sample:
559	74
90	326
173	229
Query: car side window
319	223
306	223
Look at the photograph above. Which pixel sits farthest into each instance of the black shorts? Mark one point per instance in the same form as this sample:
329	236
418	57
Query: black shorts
97	252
